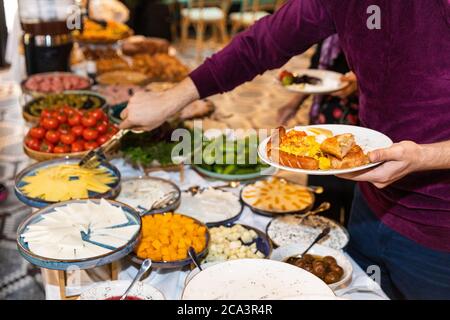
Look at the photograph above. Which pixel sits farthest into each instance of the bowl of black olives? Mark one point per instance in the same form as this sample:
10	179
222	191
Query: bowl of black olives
328	264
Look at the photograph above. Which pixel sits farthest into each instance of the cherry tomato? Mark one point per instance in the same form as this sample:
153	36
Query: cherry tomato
102	128
88	121
61	117
77	146
37	132
90	134
46	147
285	73
102	139
52	136
74	120
98	114
64	128
68	138
50	123
61	148
77	131
90	145
46	113
112	130
32	143
69	111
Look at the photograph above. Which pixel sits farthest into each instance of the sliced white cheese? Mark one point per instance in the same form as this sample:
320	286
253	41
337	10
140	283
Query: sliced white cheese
108	240
124	233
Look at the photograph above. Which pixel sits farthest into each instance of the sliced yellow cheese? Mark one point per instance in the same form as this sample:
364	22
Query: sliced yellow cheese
66	182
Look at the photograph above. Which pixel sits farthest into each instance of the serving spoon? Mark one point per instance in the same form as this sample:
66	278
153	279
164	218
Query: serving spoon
323	207
194	258
143	269
322	235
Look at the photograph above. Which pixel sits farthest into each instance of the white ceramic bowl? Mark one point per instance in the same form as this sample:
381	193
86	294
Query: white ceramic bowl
109	289
284	252
253	279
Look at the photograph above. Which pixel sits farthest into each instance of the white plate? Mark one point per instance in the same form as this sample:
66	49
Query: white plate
282	253
367	139
253	279
331	82
109	289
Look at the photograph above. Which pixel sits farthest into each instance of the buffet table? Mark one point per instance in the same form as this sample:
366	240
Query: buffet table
171	282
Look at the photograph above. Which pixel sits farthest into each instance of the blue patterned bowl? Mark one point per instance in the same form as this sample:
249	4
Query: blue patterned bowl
40	203
88	263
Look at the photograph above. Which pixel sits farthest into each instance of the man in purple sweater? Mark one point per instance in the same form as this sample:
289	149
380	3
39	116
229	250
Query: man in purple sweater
400	52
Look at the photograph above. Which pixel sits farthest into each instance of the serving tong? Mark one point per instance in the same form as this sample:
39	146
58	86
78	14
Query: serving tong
161	203
94	157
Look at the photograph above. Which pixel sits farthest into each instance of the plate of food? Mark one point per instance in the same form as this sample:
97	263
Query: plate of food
211	206
289	229
113	290
79	233
276	196
244	164
166	238
253	279
53	181
237	241
142	193
78	100
122	77
322	149
54	82
67	132
312	81
330	265
95	33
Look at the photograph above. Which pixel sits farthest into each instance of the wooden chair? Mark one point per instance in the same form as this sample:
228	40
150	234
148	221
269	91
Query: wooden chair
251	11
203	13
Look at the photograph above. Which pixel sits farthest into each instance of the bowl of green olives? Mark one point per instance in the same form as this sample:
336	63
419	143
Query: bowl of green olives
79	99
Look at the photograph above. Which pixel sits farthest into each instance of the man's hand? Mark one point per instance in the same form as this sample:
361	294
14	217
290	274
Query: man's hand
148	110
398	161
352	87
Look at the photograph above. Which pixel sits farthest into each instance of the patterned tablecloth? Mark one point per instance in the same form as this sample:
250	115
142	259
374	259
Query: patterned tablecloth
171	282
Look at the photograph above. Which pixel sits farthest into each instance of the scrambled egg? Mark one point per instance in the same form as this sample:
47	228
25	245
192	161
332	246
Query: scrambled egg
299	144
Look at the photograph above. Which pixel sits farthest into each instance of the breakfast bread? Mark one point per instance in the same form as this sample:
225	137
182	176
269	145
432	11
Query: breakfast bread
354	158
338	146
286	159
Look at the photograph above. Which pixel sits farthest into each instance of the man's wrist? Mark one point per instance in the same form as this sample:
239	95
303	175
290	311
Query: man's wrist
184	93
434	156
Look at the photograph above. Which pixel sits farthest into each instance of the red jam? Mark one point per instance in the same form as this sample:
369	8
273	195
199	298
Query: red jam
127	298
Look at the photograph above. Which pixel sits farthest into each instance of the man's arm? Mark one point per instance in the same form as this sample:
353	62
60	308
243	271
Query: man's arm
402	159
268	44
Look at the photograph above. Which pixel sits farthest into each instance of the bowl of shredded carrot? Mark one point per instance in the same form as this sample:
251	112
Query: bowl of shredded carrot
166	237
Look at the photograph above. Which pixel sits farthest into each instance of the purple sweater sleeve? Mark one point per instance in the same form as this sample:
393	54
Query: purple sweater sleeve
268	44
